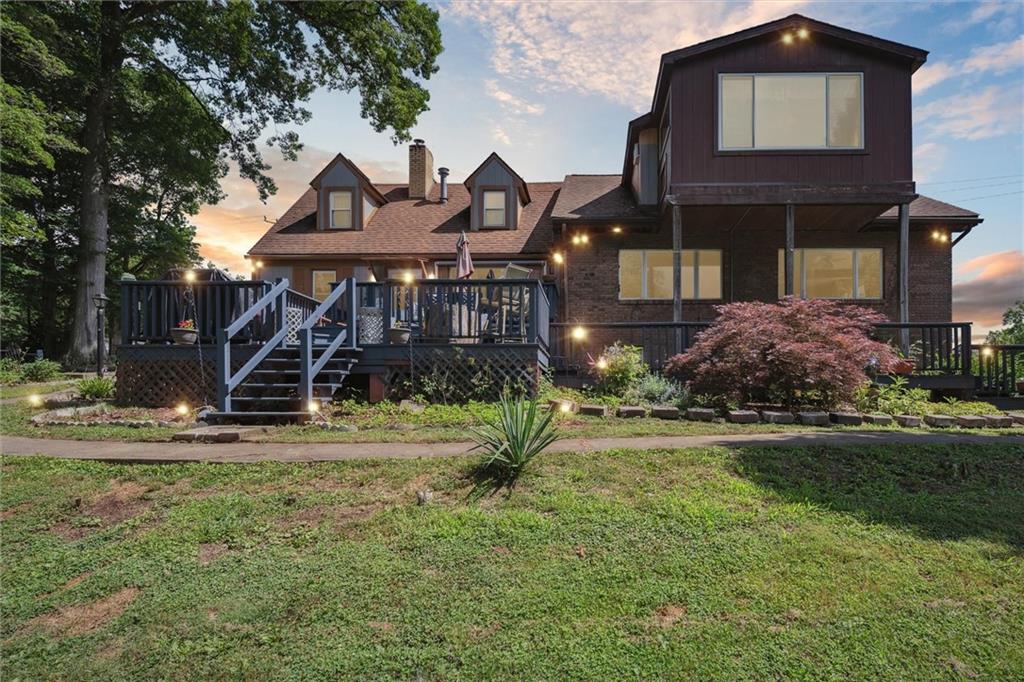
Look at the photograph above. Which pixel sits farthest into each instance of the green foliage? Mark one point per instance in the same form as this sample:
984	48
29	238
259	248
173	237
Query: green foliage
653	389
1013	327
625	366
510	441
447	387
40	370
898	398
96	388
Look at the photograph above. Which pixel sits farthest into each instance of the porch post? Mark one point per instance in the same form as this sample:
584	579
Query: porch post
677	272
790	247
903	273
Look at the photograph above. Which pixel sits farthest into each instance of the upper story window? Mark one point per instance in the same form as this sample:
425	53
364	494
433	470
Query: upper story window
494	208
646	274
791	111
341	210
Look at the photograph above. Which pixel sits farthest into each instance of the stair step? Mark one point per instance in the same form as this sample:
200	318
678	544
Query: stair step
317	384
341	372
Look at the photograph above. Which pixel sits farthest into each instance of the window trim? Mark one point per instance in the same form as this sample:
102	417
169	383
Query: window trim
324	203
312	279
696	276
484	189
721	148
351	209
800	278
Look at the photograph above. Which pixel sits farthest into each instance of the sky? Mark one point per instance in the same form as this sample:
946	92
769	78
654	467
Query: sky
550	86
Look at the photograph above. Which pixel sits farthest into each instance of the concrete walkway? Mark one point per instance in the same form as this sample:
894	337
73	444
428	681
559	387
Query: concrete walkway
329	452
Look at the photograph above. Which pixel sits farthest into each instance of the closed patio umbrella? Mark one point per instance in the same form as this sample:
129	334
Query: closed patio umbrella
463	261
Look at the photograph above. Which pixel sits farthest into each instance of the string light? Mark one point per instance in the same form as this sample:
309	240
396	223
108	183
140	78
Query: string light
558	257
182	409
579	333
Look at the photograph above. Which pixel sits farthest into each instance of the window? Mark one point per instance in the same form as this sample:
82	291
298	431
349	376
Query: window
791	111
834	273
322	281
494	208
647	274
341	210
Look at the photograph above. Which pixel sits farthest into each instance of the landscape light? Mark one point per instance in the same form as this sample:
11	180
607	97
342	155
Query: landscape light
181	409
602	363
579	333
190	276
986	351
566	407
617	229
35	400
313	406
558	257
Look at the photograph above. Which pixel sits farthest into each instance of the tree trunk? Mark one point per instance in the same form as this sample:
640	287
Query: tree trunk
90	273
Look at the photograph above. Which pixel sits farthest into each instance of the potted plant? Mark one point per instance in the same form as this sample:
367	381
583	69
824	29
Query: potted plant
399	334
903	367
185	333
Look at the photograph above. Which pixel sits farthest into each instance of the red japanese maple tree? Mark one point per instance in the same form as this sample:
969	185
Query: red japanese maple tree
794	352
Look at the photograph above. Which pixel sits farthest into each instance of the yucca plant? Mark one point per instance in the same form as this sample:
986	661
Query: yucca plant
511	440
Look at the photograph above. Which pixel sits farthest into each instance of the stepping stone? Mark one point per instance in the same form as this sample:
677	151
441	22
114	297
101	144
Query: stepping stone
878	419
970	421
998	421
594	410
665	412
1017	417
846	418
908	420
772	417
812	418
630	411
700	414
941	421
743	416
562	405
219	434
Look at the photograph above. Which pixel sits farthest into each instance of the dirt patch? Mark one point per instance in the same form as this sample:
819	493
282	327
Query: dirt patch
668	615
944	603
339	515
81	619
478	632
381	626
12	511
960	668
77	580
209	551
122	502
110	650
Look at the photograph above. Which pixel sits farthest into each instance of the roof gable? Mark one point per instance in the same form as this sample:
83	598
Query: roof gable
366	183
524	191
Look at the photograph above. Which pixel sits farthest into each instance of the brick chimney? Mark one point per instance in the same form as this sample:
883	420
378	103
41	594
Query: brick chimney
421	170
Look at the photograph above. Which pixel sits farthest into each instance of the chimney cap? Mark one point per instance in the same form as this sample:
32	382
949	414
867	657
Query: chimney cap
442	171
417	142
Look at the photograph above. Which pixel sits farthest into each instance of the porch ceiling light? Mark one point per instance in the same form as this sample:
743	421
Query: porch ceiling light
579	333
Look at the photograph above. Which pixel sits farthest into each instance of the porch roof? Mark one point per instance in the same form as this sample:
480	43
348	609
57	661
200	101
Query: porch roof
927	209
597	198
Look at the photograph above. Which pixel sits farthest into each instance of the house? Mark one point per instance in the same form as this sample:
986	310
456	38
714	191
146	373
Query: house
773	161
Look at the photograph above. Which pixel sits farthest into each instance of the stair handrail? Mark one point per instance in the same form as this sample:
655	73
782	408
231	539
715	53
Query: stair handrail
226	381
310	367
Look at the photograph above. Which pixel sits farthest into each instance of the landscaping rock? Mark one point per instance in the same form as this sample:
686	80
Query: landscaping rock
406	427
970	421
411	406
908	420
665	412
700	414
939	420
812	418
773	417
630	411
346	428
998	421
878	419
219	434
424	497
562	405
1017	417
743	416
594	410
846	418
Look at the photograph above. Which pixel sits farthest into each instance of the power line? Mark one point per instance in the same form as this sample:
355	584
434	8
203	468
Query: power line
952	182
992	196
968	189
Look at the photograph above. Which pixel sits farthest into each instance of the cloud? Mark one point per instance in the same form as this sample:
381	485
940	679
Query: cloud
996	59
225	231
928	159
995	13
510	102
992	284
499	135
994	111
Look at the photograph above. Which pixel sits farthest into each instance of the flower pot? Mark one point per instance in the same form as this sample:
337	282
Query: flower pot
903	367
1020	386
398	335
183	336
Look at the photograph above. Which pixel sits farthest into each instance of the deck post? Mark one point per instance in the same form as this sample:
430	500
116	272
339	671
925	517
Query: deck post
305	367
903	274
790	248
385	292
223	370
353	312
677	272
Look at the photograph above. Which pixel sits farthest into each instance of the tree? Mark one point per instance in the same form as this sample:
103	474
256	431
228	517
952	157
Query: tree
236	69
1013	327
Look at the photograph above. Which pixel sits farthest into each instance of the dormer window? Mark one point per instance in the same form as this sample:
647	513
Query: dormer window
494	208
341	209
783	111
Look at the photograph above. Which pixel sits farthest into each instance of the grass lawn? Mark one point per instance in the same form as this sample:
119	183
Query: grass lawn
701	564
14	421
25	390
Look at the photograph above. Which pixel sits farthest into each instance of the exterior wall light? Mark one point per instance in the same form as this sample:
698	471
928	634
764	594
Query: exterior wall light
259	264
584	239
803	34
617	229
787	38
579	333
558	257
407	278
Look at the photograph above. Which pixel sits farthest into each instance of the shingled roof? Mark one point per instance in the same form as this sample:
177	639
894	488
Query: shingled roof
596	198
926	208
412	227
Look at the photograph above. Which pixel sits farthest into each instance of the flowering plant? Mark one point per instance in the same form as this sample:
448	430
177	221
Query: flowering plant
187	324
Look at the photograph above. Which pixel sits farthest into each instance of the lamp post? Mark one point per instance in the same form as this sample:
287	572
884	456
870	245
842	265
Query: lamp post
101	302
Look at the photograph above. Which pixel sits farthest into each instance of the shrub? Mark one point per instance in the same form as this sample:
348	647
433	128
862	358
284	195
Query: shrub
96	388
652	389
40	370
623	367
512	439
813	352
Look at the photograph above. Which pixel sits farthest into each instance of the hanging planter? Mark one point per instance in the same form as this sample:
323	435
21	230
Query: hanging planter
185	333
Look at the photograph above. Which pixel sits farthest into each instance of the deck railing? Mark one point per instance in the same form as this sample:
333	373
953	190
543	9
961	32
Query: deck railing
150	309
455	311
935	347
998	368
574	345
325	329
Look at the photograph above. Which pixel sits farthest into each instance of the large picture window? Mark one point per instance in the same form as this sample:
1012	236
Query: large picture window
646	274
322	281
791	111
834	273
